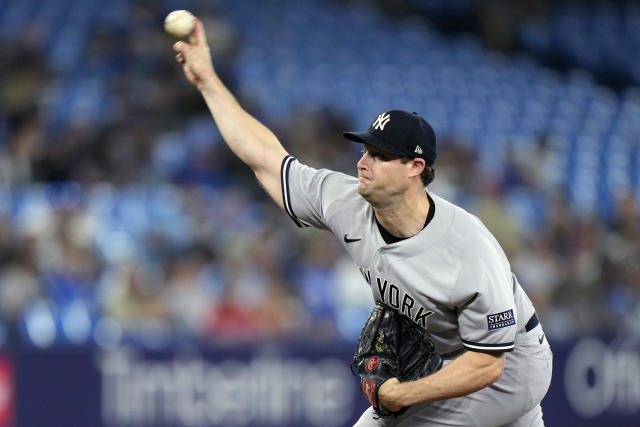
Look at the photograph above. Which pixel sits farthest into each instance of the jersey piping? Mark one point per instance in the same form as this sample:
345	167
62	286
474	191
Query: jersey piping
488	347
286	197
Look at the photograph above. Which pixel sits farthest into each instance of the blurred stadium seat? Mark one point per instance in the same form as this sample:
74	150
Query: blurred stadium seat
95	139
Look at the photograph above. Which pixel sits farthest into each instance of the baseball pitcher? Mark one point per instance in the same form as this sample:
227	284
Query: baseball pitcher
453	340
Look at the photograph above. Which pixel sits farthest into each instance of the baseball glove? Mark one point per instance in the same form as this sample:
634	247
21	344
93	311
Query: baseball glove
392	346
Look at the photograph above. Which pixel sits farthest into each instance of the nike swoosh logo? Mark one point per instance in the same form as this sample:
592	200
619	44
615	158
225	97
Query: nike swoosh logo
540	338
348	240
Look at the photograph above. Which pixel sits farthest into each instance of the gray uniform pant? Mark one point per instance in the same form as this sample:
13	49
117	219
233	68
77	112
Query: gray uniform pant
513	400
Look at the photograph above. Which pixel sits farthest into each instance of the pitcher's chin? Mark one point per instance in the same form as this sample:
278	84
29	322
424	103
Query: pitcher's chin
362	190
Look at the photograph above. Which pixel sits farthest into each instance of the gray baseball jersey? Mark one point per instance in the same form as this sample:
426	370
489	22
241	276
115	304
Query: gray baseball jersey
452	278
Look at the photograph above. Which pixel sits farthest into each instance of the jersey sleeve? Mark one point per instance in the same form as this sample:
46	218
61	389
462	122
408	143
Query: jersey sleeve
308	193
487	320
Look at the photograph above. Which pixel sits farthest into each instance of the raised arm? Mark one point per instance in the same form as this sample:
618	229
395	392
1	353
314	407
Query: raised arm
251	141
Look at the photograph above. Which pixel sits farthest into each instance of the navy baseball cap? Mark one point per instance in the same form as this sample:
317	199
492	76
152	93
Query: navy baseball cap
399	133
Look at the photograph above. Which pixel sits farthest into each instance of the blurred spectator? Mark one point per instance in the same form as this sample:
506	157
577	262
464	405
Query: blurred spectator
122	212
194	285
137	295
20	286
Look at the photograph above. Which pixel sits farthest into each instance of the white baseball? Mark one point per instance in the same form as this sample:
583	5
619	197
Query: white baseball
179	23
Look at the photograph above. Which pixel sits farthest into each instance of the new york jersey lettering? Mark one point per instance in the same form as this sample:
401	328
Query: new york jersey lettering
393	296
382	288
407	304
366	274
398	298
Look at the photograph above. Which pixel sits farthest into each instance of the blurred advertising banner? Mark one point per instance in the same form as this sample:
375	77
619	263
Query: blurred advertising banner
274	385
596	383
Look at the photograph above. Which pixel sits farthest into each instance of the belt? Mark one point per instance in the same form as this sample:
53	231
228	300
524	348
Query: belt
532	323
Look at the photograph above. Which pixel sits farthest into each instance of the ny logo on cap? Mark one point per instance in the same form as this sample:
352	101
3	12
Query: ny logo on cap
418	150
381	121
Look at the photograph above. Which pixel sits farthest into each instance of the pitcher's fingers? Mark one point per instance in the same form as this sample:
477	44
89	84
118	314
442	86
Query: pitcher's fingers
180	57
198	35
179	46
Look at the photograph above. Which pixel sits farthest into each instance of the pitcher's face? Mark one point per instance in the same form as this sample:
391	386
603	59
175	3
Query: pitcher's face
381	176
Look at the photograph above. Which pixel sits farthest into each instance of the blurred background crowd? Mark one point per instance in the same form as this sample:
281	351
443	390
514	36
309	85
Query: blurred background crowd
125	220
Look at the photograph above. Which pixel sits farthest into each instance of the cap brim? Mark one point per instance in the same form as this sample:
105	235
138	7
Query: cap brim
375	141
